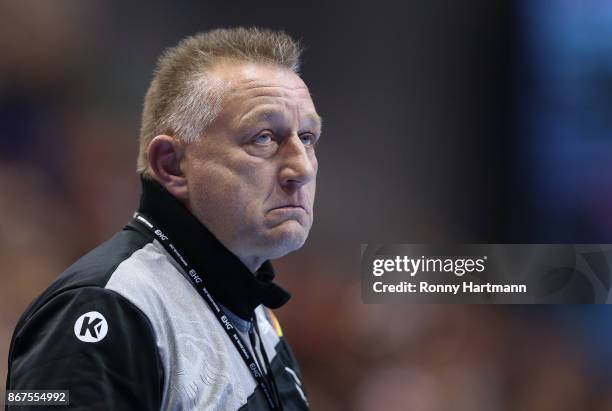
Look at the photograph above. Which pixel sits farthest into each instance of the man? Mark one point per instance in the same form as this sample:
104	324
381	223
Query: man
174	311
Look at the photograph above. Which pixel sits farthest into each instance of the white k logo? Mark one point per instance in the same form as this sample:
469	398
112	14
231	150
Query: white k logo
91	327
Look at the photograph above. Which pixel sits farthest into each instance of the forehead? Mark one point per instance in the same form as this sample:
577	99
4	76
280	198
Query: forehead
249	87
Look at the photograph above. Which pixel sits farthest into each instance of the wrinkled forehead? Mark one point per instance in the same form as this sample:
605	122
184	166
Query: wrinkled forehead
249	85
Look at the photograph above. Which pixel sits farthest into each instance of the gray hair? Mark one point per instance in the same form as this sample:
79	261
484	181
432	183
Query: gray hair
182	100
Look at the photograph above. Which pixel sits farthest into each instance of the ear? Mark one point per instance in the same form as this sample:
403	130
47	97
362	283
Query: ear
165	154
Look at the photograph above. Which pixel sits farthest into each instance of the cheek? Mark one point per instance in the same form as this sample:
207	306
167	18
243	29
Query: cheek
210	178
230	186
210	186
311	188
254	180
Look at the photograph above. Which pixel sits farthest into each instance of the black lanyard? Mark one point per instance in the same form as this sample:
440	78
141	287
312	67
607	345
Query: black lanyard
197	282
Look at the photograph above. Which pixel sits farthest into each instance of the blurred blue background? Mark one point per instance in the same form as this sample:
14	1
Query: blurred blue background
470	121
562	106
564	102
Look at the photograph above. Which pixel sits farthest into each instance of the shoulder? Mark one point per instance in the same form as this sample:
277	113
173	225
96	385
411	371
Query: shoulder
82	289
90	274
93	342
77	324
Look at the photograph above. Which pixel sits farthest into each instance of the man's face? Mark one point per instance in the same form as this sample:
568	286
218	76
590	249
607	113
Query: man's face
252	175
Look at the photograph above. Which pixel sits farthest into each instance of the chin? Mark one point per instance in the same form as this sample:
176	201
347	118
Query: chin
284	240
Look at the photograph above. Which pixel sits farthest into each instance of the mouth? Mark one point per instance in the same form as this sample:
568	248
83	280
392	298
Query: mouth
286	213
289	207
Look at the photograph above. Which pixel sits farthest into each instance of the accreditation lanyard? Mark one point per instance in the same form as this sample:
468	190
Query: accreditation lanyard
197	282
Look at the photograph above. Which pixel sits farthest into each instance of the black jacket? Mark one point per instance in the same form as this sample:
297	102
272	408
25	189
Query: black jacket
123	329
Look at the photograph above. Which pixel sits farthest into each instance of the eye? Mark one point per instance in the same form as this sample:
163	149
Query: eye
307	139
262	139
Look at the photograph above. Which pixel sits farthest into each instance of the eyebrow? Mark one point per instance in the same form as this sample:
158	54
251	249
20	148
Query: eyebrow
316	119
270	115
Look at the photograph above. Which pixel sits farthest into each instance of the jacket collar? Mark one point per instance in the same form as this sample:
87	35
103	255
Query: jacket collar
225	276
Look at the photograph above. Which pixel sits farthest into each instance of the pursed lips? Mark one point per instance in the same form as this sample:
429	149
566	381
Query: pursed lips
288	207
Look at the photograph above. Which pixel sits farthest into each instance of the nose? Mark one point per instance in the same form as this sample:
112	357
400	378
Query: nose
298	166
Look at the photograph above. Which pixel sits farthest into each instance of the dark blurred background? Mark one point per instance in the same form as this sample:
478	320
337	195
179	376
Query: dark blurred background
472	121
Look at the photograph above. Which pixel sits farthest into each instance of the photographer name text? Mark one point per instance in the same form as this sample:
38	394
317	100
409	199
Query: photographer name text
458	266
